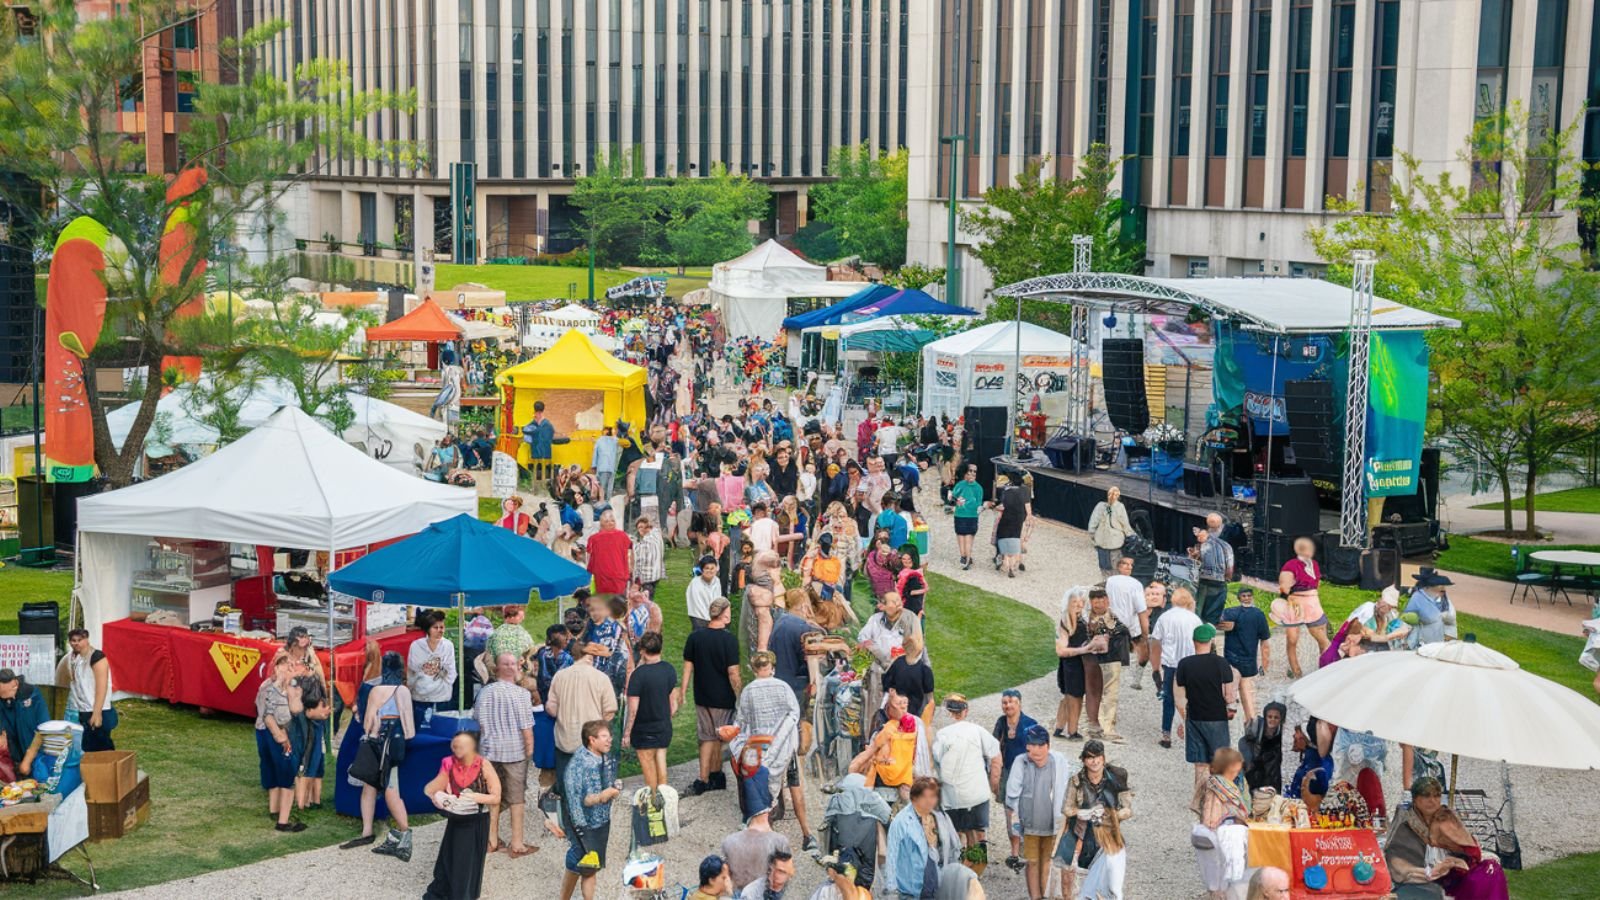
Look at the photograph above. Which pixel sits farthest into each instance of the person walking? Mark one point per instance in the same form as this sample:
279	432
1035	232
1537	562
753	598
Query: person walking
1036	796
652	702
703	590
711	667
1202	707
465	786
923	848
511	635
1103	624
649	555
589	787
545	663
272	743
1013	506
89	697
1096	793
607	452
774	884
1171	642
748	850
889	628
1109	529
609	551
1106	874
1077	674
1128	605
504	712
1298	603
769	714
967	759
967	497
1246	646
1214	557
388	723
578	694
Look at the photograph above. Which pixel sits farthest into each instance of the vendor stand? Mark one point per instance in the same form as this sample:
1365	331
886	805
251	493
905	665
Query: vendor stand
196	550
584	389
458	563
34	836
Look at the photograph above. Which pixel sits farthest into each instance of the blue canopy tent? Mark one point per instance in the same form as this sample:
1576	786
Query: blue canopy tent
833	315
453	562
907	302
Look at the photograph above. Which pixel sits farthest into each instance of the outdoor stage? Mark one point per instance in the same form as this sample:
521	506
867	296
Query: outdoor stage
1070	497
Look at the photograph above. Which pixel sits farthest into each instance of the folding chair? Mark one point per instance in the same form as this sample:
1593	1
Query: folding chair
1528	579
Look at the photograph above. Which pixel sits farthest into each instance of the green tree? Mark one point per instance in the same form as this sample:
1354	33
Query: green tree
865	204
708	219
620	210
253	138
1518	382
1026	230
915	275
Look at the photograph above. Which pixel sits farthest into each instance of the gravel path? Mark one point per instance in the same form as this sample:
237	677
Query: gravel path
1556	813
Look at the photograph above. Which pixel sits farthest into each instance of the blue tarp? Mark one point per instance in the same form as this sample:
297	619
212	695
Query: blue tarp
833	315
463	555
908	302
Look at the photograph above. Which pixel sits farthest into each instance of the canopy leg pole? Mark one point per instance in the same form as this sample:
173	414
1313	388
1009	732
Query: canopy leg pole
333	660
461	651
1454	759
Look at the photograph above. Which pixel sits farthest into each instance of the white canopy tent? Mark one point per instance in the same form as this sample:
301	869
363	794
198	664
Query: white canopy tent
385	432
289	483
976	368
751	293
571	314
480	330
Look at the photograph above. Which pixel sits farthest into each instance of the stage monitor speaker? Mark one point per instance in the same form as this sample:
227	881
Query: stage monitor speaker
1122	378
985	436
1075	454
1380	568
1314	432
1287	506
1268	553
1199	481
1340	564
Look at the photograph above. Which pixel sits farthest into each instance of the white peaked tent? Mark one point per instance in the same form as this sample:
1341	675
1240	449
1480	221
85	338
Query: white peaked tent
289	483
976	368
751	293
388	432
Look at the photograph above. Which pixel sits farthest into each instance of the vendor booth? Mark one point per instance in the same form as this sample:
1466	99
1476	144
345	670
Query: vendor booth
1228	395
388	433
976	368
584	389
752	294
467	295
545	328
426	324
190	581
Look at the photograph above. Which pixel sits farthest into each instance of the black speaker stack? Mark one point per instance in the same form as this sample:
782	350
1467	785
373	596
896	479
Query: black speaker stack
19	315
1288	507
985	438
1122	378
1315	432
1340	564
1070	452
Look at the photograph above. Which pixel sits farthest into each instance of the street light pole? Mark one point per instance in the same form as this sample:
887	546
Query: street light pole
952	272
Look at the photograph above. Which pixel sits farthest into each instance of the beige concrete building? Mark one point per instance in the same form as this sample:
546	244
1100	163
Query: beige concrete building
531	91
1240	116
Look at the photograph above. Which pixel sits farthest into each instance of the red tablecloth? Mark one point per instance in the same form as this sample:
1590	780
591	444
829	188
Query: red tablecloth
179	665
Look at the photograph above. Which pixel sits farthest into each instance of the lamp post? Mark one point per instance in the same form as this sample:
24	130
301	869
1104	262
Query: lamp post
952	273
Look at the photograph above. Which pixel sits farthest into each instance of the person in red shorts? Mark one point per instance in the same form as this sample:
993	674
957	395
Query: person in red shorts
609	550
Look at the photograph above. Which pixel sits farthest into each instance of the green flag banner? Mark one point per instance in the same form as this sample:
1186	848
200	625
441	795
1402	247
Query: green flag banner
1397	411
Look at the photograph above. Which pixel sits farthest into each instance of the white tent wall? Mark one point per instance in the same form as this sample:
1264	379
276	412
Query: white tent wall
106	563
977	368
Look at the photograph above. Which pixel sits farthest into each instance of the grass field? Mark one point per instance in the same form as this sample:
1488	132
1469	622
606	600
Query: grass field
1575	500
1491	559
561	282
16	419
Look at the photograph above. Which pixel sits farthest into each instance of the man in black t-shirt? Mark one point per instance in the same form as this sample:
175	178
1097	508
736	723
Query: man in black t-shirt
711	666
1202	708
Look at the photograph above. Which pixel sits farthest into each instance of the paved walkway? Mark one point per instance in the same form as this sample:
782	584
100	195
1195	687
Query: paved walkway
1490	599
1563	527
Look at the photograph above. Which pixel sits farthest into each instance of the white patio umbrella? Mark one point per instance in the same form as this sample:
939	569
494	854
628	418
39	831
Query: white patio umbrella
1458	697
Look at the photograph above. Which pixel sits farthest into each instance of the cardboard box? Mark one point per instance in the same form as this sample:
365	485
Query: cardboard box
113	820
109	775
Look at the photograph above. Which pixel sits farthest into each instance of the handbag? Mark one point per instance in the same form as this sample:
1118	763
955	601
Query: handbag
588	860
1202	838
371	757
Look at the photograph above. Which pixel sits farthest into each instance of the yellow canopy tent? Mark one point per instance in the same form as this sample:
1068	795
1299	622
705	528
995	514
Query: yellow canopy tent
583	388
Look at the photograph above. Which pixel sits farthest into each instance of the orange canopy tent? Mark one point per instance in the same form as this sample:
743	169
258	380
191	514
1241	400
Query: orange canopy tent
425	323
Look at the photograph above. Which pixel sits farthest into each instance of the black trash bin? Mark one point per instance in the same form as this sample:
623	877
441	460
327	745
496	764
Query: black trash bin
41	618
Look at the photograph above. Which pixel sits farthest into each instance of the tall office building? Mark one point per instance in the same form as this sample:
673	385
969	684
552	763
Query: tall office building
1239	116
533	92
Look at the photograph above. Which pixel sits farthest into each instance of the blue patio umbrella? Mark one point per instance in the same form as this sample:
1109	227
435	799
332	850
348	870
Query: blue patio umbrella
460	562
832	315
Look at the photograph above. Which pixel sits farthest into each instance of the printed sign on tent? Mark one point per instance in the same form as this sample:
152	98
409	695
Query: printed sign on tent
233	662
33	656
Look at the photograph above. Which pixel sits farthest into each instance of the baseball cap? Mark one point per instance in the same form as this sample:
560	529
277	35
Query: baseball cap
1036	734
1204	634
955	702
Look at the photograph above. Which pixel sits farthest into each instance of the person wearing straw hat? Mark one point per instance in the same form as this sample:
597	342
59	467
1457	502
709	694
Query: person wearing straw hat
1379	622
967	759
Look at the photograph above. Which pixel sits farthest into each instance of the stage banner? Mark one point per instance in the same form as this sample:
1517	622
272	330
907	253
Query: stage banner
1397	411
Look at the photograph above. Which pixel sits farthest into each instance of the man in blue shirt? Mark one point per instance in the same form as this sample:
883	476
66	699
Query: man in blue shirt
1245	648
539	434
22	711
1011	730
590	786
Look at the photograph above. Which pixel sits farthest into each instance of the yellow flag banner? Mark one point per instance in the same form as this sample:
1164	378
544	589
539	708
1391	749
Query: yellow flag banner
234	662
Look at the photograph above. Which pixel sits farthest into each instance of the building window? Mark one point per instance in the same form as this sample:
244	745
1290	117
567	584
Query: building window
808	90
1591	132
1002	91
491	86
1260	73
187	87
1033	102
970	99
1341	78
1182	75
185	35
1299	76
1100	121
827	86
1385	57
847	52
1149	27
541	88
660	40
1221	66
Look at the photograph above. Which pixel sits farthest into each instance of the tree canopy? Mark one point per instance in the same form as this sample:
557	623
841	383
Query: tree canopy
864	207
683	221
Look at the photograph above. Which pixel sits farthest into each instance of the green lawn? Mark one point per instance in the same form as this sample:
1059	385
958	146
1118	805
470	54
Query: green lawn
1577	500
522	283
1491	559
16	419
1569	877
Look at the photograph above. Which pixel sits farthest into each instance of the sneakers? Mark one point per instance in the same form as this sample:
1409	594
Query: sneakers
291	827
361	841
1138	680
696	788
1015	863
718	782
809	845
1059	733
966	563
397	845
1074	736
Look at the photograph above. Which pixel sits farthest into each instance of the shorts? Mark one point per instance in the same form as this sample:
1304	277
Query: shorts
1009	546
708	720
513	781
1202	740
594	838
1038	847
791	777
651	738
966	525
1246	669
973	818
